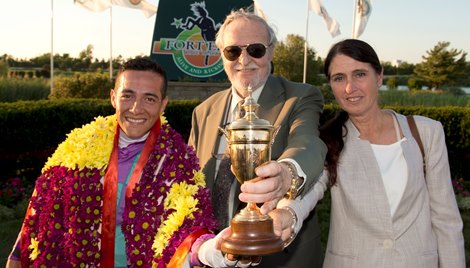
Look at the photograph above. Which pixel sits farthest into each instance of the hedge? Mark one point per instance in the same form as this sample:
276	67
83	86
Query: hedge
31	130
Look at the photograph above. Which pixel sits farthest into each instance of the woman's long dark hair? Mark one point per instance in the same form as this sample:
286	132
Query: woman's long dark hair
332	131
332	135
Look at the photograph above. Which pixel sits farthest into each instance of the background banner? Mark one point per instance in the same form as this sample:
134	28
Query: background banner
184	37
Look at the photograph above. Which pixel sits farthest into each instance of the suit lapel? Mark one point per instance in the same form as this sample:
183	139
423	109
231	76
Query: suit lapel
379	207
405	215
215	118
270	107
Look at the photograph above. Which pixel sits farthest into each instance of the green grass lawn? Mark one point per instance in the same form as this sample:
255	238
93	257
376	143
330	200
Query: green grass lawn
10	228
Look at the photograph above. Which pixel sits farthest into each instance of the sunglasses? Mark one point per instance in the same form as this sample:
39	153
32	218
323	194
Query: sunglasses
257	51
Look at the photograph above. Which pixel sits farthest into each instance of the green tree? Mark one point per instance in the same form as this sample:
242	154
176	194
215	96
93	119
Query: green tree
389	69
405	68
442	67
288	60
41	61
414	84
465	79
85	58
63	62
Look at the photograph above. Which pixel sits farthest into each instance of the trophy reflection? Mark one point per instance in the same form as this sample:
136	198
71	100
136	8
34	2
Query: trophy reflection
249	140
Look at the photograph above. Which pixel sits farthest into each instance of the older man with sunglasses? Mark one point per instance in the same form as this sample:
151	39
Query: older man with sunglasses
247	44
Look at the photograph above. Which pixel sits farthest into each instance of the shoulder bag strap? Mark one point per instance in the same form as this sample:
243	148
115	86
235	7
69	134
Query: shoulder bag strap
415	133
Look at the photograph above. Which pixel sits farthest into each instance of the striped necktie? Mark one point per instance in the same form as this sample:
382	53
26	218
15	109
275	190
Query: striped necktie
240	109
221	191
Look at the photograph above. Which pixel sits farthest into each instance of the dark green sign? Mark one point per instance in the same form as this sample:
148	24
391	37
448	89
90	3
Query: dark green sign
184	37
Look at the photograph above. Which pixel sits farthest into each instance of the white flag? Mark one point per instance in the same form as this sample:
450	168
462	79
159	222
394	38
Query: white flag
258	10
101	5
331	24
364	8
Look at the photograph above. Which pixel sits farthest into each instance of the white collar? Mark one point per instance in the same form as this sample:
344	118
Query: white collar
125	141
236	98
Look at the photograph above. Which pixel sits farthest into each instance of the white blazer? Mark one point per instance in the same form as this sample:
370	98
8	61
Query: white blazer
426	229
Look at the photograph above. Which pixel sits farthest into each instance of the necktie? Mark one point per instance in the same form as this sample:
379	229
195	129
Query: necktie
241	110
223	182
221	191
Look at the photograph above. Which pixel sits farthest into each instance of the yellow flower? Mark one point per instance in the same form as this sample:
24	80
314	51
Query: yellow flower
200	178
34	247
163	119
89	146
177	193
181	199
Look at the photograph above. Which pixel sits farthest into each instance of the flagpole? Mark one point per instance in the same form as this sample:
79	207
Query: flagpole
110	43
52	45
354	19
306	47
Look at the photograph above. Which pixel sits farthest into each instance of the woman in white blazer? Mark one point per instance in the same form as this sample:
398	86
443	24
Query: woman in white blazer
385	210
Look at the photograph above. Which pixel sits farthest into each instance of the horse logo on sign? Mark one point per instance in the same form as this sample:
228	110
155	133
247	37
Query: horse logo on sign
193	50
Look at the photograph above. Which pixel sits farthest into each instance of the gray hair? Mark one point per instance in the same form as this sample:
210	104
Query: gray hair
246	15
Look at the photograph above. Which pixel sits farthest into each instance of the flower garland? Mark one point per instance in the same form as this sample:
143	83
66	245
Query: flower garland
174	194
64	227
89	146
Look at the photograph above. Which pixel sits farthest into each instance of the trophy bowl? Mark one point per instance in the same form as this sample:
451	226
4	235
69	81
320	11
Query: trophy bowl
250	139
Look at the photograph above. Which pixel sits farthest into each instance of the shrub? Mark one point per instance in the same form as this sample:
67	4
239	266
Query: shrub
327	93
12	190
45	73
82	85
462	193
392	83
4	68
422	98
6	213
459	187
49	121
17	211
463	203
16	89
456	91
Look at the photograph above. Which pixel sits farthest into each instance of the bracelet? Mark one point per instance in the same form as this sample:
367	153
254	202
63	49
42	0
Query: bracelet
291	169
294	188
294	223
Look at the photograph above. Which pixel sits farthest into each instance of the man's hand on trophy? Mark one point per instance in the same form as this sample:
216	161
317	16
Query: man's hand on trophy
210	254
283	223
241	261
269	187
231	260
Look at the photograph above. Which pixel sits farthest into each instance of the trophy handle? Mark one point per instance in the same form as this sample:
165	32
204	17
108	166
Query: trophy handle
224	132
276	130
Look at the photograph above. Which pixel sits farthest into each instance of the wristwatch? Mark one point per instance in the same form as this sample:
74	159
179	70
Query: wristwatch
296	183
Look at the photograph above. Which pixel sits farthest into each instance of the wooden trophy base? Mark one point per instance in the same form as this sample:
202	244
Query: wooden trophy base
252	238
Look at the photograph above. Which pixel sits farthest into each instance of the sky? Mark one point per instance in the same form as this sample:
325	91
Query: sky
397	29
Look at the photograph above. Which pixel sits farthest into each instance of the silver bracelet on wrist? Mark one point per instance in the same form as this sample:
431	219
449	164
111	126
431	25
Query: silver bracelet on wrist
294	223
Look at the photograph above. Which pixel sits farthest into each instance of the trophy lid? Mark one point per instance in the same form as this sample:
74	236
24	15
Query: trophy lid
250	120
